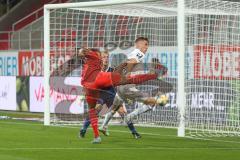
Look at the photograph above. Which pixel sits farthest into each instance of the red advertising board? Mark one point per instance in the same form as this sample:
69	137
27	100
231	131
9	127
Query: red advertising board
30	63
217	62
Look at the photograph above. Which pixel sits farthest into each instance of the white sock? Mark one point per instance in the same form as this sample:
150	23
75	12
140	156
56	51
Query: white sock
107	118
141	109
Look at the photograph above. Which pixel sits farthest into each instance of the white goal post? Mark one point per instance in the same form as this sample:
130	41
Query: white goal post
198	41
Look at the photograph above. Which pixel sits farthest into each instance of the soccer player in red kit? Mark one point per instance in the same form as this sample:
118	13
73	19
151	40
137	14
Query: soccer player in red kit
93	80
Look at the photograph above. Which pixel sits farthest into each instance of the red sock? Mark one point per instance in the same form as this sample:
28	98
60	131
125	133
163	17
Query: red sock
94	121
137	79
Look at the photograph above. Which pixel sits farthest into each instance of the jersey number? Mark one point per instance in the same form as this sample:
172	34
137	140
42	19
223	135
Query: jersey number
139	55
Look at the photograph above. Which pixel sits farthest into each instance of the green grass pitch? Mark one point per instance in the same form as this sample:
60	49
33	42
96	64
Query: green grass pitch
22	140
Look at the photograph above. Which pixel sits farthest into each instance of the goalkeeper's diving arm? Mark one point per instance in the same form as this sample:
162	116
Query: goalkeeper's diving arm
74	62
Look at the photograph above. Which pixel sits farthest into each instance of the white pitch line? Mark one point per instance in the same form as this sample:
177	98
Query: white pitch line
152	148
152	134
155	134
20	123
214	140
120	131
104	148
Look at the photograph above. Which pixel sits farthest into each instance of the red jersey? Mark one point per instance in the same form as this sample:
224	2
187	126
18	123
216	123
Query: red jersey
92	66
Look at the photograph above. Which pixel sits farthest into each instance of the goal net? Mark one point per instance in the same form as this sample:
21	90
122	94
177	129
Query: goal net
211	60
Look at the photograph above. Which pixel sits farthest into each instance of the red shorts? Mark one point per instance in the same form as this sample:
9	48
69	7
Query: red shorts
107	79
103	80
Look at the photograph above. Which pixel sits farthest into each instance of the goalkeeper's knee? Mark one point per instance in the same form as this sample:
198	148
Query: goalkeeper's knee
117	103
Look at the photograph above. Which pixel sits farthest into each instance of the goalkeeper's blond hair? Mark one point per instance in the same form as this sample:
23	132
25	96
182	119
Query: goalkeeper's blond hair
105	52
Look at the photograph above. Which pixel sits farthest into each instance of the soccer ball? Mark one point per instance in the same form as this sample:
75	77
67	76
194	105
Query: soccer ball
162	100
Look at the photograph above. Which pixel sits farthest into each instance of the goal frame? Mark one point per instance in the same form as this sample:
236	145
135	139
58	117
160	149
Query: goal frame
180	46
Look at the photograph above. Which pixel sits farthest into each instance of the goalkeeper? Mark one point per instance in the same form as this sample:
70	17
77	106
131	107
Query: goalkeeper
130	91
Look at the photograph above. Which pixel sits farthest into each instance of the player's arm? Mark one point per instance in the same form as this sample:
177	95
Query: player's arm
130	64
74	62
126	67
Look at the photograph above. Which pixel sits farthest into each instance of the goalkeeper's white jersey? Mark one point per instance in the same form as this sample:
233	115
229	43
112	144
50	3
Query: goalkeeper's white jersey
136	54
129	90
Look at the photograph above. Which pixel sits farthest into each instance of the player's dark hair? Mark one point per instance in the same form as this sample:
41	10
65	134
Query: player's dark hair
92	49
141	39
